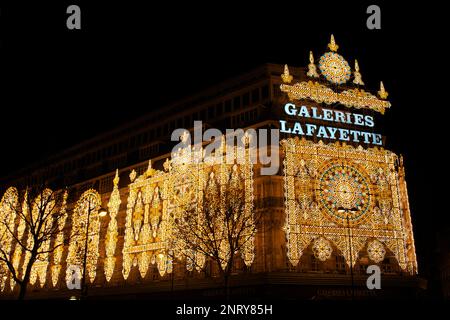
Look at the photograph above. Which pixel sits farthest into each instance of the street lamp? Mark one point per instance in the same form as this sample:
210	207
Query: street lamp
102	212
348	212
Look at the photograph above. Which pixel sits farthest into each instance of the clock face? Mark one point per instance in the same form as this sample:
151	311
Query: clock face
344	190
334	68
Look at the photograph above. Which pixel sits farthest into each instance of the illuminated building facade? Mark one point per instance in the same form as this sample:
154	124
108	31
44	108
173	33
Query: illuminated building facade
338	203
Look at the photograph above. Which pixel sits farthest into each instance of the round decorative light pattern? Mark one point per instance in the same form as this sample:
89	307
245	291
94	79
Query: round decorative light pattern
376	251
334	68
344	191
322	249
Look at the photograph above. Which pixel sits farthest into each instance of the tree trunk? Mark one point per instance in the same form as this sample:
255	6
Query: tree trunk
226	279
26	277
23	290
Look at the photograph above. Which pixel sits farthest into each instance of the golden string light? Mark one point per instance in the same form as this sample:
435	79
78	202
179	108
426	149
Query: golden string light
9	202
89	199
306	163
59	242
356	98
17	255
112	233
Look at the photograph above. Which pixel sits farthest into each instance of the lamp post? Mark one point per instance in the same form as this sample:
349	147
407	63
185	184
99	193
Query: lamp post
347	217
101	213
172	276
161	255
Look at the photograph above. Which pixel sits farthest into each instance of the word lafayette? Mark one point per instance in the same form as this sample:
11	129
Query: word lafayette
330	132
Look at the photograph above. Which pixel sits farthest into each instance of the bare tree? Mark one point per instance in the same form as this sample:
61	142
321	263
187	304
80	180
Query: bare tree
27	226
218	228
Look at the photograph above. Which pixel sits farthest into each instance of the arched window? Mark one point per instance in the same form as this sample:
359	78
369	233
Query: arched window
8	204
82	229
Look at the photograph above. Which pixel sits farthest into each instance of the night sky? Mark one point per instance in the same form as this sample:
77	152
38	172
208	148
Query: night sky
62	86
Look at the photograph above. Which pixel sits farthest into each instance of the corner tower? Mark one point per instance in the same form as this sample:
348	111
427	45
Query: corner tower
345	194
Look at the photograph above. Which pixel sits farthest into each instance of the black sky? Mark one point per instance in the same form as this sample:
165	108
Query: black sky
60	87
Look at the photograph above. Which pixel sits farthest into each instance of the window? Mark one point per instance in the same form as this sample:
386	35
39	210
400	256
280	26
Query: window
265	92
237	103
246	100
236	266
203	115
84	187
123	146
228	106
276	91
132	142
106	184
118	162
145	137
187	121
219	109
255	95
386	266
340	263
141	169
211	112
147	151
314	263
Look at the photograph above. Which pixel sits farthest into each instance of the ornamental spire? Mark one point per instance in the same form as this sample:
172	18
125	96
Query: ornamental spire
286	77
357	74
382	93
312	70
332	45
133	174
116	178
150	171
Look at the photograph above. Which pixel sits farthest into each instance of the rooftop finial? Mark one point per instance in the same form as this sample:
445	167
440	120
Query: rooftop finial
382	93
166	164
286	77
116	178
150	171
133	174
312	70
357	74
332	45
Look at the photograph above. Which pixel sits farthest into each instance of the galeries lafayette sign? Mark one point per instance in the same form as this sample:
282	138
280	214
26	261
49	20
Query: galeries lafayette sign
330	132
